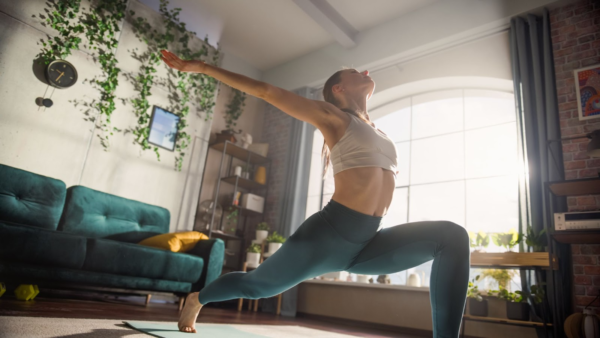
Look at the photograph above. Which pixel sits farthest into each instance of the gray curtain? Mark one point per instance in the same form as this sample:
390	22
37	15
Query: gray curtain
538	122
295	193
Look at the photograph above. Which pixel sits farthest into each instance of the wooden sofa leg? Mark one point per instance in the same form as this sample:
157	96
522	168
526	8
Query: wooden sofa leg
240	302
148	299
279	305
181	299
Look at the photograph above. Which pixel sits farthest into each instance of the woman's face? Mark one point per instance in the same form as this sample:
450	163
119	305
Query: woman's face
354	83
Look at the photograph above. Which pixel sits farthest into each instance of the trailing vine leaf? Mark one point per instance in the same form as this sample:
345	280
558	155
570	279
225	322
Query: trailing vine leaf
187	86
100	25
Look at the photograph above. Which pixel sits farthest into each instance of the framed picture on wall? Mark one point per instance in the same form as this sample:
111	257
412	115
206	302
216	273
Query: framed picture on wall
587	90
163	128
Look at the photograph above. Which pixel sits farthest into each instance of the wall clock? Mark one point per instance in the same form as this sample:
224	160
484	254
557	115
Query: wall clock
61	74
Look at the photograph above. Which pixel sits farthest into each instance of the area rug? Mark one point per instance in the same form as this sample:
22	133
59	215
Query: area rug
41	327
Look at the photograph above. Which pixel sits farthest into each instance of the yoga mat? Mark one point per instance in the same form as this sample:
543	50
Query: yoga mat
170	330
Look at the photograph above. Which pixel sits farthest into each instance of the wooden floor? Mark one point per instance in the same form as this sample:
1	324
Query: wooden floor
97	306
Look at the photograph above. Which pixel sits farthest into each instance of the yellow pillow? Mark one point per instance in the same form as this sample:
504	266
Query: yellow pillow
175	241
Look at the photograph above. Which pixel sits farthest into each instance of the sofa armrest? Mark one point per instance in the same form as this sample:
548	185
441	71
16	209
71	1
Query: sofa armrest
212	251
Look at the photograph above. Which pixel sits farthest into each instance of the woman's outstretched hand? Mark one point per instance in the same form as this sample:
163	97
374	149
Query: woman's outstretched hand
191	66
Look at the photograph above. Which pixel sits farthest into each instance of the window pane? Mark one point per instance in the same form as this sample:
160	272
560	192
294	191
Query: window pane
317	142
437	159
437	113
312	205
491	151
315	179
492	204
403	152
398	212
329	184
439	201
326	198
488	107
395	125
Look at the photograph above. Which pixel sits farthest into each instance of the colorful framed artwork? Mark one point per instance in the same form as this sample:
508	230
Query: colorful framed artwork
587	89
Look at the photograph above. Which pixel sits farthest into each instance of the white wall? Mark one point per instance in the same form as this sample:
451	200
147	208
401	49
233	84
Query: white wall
58	142
442	24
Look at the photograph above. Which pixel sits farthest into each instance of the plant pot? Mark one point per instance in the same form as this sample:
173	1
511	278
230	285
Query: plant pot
274	247
252	259
261	235
477	308
517	311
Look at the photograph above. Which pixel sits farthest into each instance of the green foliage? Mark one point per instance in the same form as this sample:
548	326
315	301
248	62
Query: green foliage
514	297
187	87
254	248
275	238
232	217
473	290
502	276
100	26
479	240
538	293
234	110
262	226
536	240
507	240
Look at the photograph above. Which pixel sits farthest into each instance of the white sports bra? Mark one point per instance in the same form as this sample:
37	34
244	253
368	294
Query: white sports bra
363	146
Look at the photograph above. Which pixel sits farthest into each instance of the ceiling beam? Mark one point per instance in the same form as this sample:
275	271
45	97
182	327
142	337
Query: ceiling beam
332	21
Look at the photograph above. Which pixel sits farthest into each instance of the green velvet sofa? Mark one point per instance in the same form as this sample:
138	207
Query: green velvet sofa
81	236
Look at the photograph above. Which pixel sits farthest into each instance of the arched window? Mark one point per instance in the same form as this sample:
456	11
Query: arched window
457	161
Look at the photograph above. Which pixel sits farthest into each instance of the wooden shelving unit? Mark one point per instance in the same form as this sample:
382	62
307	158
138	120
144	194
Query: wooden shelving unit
238	182
584	186
513	260
505	321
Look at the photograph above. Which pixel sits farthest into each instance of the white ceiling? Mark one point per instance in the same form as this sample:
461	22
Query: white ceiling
268	33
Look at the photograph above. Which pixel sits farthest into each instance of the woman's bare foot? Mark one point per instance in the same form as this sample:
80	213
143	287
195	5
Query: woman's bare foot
190	311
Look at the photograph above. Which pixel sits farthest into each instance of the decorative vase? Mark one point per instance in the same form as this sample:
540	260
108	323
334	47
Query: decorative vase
517	311
590	324
245	140
245	175
261	235
274	247
261	175
252	259
413	280
237	171
477	308
362	278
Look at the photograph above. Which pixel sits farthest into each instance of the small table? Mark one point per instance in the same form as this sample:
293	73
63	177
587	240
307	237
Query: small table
241	300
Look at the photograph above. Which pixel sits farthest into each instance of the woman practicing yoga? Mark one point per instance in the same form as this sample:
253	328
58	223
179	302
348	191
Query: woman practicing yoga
345	235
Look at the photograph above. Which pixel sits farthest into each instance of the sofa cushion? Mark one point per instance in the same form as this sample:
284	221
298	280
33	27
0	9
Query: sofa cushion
182	241
135	260
96	214
22	243
29	198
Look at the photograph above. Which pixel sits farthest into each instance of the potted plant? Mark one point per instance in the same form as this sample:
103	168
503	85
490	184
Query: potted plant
479	241
517	307
477	305
234	111
262	231
253	255
275	241
231	224
246	171
502	276
507	240
536	240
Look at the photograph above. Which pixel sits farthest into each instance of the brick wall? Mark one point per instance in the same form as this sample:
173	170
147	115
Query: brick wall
276	132
576	43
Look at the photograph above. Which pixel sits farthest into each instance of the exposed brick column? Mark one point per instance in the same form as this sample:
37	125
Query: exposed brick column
276	132
576	43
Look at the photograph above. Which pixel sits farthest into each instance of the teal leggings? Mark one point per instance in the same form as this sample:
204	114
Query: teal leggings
338	238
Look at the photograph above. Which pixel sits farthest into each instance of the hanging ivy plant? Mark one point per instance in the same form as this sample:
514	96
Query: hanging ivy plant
197	87
234	110
100	26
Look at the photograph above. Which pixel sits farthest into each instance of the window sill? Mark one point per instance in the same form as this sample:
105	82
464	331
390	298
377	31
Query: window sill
368	285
